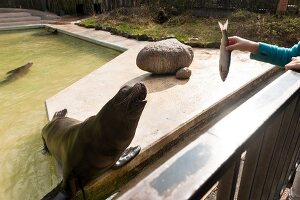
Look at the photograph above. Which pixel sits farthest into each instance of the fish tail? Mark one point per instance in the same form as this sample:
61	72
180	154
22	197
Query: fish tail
226	25
223	27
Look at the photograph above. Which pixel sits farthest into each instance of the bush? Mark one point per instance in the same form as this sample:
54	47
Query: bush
170	5
242	15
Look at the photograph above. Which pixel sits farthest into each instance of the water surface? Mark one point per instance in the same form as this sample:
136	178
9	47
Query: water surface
58	61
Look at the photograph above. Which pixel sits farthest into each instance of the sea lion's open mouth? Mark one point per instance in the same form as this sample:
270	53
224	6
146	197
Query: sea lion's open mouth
140	91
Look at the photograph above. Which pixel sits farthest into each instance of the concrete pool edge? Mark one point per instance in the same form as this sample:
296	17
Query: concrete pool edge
22	27
90	39
82	37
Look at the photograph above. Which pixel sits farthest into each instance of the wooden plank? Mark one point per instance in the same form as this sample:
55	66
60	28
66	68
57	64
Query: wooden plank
276	161
281	156
268	146
209	192
250	163
227	185
292	155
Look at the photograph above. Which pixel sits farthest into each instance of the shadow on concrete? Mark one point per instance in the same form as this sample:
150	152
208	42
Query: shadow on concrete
157	83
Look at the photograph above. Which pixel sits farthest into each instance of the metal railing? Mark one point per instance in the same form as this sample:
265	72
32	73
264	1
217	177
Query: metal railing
264	131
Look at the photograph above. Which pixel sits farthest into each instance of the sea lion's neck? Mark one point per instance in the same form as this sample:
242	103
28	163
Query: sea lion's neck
114	122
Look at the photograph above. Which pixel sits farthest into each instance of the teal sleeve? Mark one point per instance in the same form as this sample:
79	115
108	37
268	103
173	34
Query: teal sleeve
275	55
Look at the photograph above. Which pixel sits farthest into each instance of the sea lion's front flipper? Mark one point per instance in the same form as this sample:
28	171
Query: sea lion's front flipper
60	114
129	154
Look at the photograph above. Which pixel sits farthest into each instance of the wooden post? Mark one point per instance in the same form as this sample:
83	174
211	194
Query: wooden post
227	185
282	6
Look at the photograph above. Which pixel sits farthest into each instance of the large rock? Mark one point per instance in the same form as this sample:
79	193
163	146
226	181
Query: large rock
165	57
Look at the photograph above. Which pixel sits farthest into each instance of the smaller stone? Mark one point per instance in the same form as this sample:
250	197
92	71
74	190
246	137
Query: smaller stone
183	73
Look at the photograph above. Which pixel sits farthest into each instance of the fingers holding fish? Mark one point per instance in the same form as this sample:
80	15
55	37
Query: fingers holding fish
294	64
241	44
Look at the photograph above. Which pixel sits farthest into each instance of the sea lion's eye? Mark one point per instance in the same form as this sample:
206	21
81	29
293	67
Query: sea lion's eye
124	90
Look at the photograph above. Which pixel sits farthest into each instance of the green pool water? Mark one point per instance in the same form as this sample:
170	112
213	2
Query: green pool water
58	61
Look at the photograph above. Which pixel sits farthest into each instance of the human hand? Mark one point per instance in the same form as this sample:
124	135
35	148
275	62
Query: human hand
238	43
294	64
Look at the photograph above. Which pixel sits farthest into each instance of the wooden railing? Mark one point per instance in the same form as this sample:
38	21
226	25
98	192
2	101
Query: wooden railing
249	154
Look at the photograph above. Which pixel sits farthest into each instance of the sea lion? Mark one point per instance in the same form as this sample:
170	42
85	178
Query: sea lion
16	73
86	149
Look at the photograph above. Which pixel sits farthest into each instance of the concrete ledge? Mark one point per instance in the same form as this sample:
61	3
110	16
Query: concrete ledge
20	19
22	27
91	39
15	15
19	23
87	38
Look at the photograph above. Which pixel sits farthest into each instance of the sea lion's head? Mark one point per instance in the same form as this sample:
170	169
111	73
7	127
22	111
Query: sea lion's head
120	116
131	100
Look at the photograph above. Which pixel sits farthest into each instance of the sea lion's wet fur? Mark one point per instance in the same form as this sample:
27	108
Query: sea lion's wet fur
87	149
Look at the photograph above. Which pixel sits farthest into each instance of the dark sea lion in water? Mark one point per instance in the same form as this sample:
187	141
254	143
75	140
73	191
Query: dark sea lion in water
86	149
16	73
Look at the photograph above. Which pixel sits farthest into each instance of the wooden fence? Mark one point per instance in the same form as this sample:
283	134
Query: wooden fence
256	5
27	4
97	6
249	154
62	7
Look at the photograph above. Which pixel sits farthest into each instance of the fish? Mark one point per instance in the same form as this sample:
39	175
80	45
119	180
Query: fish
16	73
225	56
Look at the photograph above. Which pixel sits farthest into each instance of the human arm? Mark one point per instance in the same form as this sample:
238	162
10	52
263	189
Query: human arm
238	43
275	55
264	52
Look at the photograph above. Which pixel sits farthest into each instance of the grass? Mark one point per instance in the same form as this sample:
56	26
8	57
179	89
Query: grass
187	28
